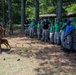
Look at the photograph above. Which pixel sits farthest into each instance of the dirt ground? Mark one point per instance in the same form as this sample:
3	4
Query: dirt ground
32	57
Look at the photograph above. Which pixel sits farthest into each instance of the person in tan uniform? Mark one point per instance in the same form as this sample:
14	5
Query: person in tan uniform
10	26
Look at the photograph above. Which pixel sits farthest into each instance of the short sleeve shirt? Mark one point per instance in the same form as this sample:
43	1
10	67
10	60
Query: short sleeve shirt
39	26
57	27
51	28
45	25
68	29
32	24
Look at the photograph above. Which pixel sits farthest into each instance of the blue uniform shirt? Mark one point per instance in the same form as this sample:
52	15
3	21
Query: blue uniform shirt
69	29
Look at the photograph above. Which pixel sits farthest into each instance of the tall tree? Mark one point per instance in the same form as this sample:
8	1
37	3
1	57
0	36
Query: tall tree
3	7
9	9
36	10
22	13
59	9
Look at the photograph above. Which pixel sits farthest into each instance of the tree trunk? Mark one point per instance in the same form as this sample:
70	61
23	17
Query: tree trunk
22	13
36	10
59	9
9	10
3	7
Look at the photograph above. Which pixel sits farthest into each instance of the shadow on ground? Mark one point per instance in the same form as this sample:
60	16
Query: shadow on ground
52	60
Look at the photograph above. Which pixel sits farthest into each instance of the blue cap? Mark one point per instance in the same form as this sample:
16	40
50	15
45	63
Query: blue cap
69	21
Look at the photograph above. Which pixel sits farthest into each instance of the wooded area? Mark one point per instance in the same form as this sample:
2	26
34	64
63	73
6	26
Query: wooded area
19	10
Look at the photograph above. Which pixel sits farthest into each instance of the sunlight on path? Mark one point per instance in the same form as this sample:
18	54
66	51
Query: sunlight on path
32	57
10	66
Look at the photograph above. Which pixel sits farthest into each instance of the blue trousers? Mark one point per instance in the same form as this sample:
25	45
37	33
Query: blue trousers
51	37
56	37
68	42
45	34
38	34
27	30
62	38
74	42
31	32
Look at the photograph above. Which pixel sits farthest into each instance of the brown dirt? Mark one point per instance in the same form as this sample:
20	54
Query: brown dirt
32	57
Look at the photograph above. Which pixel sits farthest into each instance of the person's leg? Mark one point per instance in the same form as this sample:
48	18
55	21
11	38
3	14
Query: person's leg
12	31
51	37
68	43
26	30
32	32
46	35
38	34
43	35
62	38
55	38
58	36
29	30
74	43
9	31
0	43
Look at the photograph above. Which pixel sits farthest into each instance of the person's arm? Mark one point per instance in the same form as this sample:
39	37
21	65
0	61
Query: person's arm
70	31
24	24
1	28
48	26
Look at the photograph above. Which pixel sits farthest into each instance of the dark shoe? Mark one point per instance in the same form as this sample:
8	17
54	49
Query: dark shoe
66	50
46	40
0	52
42	40
38	39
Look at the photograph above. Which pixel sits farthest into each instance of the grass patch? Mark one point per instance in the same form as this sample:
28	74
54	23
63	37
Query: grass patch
17	25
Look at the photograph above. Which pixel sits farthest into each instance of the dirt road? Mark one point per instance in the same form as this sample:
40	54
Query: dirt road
32	57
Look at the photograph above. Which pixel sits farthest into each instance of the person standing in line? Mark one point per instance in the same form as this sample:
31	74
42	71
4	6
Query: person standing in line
38	31
2	24
74	33
51	23
32	27
68	37
52	34
41	22
10	26
63	32
26	27
57	28
45	29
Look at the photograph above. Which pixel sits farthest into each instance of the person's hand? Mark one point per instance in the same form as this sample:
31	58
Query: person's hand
65	36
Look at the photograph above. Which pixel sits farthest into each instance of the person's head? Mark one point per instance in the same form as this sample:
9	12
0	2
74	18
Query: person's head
33	20
38	22
57	20
48	18
10	20
26	20
64	20
40	19
29	20
45	19
69	22
73	20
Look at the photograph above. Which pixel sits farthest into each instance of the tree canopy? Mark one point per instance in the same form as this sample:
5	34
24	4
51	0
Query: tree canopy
46	7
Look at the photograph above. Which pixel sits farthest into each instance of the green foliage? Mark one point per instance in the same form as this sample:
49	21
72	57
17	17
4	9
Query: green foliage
46	7
72	8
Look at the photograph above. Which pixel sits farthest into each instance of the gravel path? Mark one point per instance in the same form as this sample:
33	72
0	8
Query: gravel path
32	57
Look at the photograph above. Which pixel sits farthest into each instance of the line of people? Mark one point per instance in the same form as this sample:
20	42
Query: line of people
61	33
